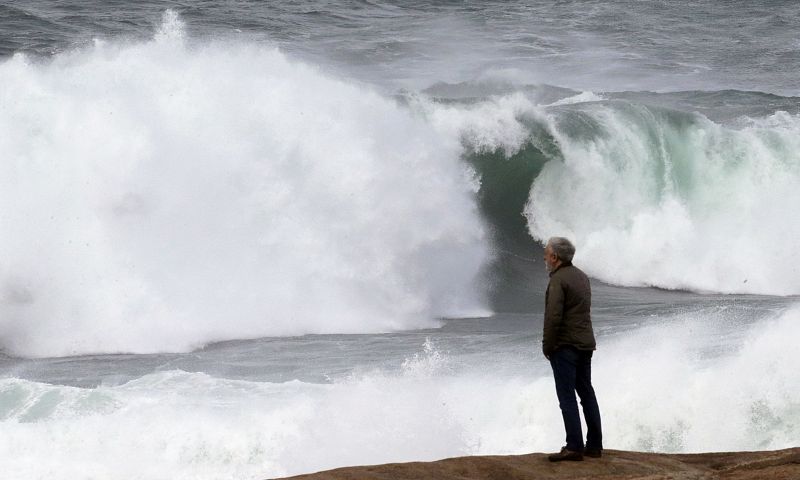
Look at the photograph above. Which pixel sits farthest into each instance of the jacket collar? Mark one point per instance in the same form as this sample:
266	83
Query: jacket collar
563	264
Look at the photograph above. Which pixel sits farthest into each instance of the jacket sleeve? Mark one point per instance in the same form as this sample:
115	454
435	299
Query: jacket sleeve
553	315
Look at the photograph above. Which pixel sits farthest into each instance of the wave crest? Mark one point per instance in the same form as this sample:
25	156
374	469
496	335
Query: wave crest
663	198
162	197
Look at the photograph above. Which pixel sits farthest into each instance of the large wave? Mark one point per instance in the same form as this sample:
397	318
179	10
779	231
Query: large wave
663	198
652	196
160	195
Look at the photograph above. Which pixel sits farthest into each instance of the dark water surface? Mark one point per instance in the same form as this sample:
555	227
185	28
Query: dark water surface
610	46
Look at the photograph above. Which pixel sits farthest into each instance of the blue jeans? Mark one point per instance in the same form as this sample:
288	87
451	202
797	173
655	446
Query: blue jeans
572	370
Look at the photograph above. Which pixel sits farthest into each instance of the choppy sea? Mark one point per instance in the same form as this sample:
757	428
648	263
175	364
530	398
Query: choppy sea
246	239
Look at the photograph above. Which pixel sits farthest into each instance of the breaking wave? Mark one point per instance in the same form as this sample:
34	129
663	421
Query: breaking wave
160	195
651	195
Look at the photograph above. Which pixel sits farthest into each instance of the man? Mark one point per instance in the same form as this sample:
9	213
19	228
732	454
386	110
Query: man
568	343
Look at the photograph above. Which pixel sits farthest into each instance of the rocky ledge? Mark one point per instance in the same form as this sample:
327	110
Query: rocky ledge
615	464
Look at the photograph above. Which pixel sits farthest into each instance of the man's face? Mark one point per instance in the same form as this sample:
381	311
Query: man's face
550	259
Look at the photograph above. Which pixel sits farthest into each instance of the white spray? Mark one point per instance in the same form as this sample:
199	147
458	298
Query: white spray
160	195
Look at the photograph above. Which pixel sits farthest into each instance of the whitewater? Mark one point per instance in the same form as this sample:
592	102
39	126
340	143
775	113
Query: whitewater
230	256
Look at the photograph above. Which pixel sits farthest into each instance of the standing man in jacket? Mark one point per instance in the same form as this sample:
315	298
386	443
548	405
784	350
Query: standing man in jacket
568	343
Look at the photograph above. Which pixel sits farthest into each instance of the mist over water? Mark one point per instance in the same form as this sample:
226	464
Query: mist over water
314	230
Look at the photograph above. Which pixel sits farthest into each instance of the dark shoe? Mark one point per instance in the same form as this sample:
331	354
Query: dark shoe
566	455
593	452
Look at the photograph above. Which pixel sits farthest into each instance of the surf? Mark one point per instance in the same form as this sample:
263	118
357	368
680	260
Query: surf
214	189
655	196
164	194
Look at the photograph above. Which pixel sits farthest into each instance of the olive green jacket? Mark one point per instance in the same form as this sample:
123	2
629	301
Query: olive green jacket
567	317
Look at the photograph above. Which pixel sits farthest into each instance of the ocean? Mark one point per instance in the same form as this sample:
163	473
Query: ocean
244	240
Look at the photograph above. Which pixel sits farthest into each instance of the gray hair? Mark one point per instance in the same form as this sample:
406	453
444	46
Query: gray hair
563	248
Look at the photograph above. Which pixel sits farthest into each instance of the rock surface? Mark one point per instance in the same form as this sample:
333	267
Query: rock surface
615	464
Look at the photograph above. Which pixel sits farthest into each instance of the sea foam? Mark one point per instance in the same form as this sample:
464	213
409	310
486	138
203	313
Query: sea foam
676	395
160	195
651	196
654	197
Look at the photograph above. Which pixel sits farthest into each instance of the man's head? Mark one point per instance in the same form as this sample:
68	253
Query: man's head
557	251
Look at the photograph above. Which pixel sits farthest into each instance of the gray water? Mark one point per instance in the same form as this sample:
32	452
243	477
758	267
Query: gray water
243	247
610	46
503	344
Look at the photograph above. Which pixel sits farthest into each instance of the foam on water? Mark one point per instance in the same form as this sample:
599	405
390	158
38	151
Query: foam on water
661	198
166	194
658	388
160	195
579	98
697	205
